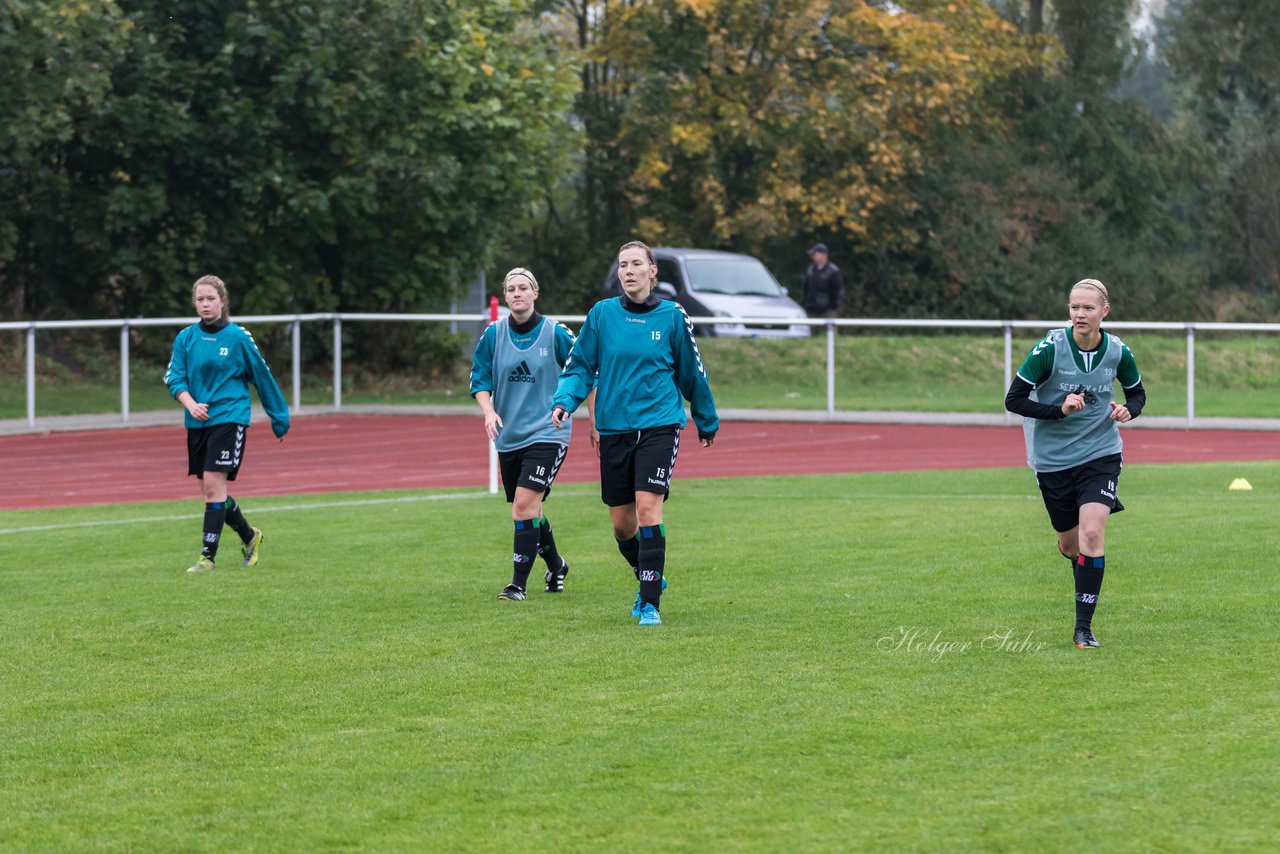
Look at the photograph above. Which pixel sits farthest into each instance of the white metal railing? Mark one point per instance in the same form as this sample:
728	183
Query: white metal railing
831	325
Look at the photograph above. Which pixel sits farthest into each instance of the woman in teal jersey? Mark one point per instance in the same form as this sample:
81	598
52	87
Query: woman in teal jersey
513	374
213	363
1065	390
639	352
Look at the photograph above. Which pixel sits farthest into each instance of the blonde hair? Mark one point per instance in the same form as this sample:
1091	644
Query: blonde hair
219	286
1096	285
519	271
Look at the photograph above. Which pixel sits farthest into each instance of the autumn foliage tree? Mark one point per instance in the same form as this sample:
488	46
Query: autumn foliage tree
750	120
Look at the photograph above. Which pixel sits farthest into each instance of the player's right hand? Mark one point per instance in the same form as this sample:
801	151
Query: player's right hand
1073	403
492	424
199	411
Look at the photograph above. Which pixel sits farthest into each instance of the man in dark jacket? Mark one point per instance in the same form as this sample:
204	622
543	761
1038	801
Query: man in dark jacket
823	284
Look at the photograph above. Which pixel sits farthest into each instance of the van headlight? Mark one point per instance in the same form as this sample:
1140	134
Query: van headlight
724	328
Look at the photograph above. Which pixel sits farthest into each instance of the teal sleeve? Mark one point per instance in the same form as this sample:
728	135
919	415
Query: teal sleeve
579	374
175	376
482	361
273	401
1038	365
564	344
691	376
1127	371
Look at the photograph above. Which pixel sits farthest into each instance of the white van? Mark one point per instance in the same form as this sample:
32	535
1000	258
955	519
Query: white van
709	283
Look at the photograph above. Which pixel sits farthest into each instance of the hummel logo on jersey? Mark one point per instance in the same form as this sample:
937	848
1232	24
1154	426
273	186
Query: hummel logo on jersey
521	374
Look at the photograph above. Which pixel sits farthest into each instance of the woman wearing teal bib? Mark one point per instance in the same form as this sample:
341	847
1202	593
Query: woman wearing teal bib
1065	391
513	375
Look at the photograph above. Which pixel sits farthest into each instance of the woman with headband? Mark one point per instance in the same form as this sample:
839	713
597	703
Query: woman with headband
513	375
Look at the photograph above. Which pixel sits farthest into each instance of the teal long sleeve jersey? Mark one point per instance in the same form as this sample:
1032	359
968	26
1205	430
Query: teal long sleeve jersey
215	364
641	358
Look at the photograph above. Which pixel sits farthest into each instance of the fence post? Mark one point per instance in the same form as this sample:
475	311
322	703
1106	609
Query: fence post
124	373
831	369
493	468
297	363
31	376
1191	374
337	362
1008	365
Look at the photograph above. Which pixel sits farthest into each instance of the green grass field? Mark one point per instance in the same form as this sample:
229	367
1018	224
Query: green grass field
1236	376
846	663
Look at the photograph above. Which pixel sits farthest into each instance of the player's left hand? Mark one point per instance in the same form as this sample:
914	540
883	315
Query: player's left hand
707	441
1119	413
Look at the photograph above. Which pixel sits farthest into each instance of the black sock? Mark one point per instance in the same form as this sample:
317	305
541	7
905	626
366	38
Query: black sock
237	521
524	551
215	516
631	553
653	558
1088	585
547	546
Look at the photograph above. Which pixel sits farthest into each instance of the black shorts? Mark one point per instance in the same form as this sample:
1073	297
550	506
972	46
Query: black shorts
1065	491
637	462
218	448
533	467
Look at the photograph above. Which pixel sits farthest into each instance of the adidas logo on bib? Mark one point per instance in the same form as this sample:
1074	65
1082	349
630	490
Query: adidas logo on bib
521	374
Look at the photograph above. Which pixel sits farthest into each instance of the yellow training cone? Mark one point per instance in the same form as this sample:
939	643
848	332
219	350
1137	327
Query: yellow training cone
1240	485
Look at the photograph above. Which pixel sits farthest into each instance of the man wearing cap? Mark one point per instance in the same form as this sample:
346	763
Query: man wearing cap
823	284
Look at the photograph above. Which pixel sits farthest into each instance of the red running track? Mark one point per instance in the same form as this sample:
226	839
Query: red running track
340	453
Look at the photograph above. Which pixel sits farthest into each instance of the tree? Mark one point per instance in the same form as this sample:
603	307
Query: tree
55	72
751	120
1088	185
1226	53
328	155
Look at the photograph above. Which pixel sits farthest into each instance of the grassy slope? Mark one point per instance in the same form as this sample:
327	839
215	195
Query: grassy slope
1236	377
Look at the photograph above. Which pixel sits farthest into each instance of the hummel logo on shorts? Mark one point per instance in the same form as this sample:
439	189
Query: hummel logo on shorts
521	374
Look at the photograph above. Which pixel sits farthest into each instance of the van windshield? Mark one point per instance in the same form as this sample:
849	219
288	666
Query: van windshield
738	276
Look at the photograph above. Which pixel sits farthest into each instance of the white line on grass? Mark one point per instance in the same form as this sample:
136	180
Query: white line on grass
458	495
402	500
256	510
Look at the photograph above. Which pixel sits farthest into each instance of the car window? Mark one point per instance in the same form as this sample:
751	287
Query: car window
741	276
669	271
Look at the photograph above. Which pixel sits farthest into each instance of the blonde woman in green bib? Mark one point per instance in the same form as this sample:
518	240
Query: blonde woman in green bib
1065	391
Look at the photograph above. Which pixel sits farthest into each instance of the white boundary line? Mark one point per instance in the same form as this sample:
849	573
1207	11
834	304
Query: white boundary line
442	497
405	500
256	510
